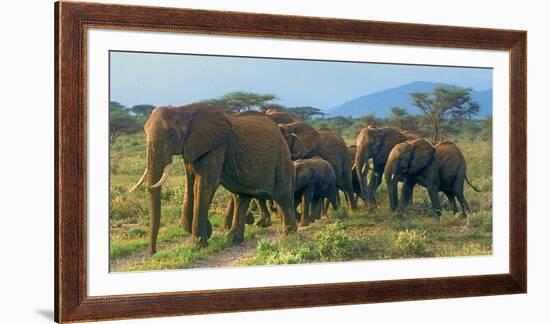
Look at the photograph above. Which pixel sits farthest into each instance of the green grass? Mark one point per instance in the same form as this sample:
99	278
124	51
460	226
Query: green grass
364	234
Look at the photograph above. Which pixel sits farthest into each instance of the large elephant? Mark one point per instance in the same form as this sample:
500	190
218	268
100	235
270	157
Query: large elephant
305	142
439	168
376	144
315	180
217	149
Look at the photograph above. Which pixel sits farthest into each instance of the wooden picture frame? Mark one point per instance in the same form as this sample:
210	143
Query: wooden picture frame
72	20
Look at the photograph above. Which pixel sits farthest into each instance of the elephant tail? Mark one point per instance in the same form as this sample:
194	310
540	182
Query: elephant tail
471	185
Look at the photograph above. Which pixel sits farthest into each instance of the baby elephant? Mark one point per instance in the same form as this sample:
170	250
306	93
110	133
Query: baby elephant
315	180
437	168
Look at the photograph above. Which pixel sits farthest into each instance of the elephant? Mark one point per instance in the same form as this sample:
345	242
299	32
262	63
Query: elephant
217	149
437	168
315	180
352	149
281	117
306	142
376	144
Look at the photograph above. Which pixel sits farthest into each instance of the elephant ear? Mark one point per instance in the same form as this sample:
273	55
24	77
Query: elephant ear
209	128
308	135
421	155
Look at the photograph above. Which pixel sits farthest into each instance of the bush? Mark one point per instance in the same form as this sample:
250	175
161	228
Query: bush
126	208
482	220
339	213
411	243
136	232
330	244
333	243
450	219
270	253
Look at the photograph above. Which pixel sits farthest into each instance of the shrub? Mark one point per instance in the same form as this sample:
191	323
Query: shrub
333	243
136	232
411	243
482	220
450	219
339	214
126	208
270	253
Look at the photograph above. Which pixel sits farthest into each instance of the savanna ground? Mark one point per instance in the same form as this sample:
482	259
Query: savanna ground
365	234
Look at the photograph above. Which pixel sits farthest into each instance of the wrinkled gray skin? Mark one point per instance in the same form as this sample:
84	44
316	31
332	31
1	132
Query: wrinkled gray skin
376	144
315	180
439	168
217	149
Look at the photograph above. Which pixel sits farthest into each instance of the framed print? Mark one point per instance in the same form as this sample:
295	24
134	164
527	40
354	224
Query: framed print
212	161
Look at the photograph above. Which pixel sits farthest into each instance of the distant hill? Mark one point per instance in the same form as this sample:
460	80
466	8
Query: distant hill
380	102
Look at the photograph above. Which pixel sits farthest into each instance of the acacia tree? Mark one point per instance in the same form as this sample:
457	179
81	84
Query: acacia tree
306	112
400	118
242	101
445	108
142	110
120	122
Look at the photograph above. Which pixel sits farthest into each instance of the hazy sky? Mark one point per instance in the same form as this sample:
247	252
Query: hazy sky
162	79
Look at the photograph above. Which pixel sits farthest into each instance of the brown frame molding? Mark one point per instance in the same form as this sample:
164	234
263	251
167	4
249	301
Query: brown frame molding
71	23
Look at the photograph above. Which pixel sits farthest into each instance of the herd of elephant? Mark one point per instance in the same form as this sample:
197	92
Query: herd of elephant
276	157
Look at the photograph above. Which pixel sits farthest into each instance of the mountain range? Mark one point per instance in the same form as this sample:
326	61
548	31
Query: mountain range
380	102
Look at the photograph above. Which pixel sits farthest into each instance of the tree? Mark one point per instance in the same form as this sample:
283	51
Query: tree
243	101
306	112
339	123
445	108
369	120
472	129
142	110
120	122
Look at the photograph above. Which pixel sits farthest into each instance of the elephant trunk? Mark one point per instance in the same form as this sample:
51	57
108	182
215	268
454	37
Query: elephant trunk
361	169
155	167
391	184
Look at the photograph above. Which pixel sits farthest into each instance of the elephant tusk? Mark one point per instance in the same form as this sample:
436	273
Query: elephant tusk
164	176
140	182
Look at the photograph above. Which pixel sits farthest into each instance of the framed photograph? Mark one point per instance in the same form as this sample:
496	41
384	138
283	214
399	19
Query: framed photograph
211	161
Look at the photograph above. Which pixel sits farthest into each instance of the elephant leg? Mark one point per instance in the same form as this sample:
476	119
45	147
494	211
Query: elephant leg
458	190
229	211
333	199
324	207
463	204
371	187
284	207
406	192
237	227
306	206
201	227
187	209
375	181
297	202
316	205
265	216
452	202
434	197
204	187
351	199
